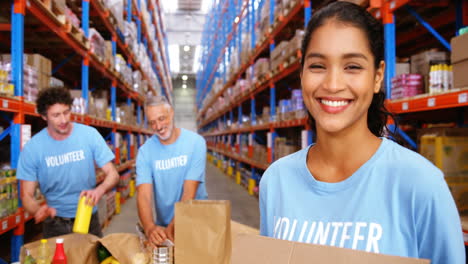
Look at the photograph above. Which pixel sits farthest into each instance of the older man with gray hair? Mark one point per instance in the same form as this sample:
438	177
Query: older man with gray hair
170	168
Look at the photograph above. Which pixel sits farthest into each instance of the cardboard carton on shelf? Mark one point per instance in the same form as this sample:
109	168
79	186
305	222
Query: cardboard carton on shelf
41	64
402	68
459	60
447	148
421	63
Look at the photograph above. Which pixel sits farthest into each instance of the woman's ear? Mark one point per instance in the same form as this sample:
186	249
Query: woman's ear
379	76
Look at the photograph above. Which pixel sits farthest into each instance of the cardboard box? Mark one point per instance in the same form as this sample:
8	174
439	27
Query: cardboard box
251	249
421	62
41	64
460	74
459	48
448	150
402	68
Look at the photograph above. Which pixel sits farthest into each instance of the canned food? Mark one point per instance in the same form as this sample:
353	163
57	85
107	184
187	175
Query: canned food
163	255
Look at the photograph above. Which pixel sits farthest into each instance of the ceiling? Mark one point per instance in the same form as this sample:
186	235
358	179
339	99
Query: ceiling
184	20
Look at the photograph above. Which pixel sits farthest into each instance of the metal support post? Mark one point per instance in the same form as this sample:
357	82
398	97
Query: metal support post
390	49
17	49
307	12
85	63
253	111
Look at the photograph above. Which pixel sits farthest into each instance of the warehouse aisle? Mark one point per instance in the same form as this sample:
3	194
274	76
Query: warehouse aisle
219	186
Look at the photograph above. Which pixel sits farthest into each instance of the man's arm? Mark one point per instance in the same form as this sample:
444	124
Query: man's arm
190	190
31	205
156	234
111	179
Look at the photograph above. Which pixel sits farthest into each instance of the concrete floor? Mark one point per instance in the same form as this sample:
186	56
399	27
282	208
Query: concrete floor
244	208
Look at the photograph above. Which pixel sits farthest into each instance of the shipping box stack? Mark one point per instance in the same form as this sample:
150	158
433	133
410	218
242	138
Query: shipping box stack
421	63
447	148
460	61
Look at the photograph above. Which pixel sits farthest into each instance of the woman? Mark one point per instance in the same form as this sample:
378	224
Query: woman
354	188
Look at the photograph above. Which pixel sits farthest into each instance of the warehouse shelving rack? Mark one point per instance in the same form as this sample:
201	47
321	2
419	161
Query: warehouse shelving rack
226	144
20	110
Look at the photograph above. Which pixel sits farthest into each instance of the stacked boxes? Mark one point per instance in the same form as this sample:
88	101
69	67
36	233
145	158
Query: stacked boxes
421	63
261	69
278	55
6	87
41	65
97	44
290	109
260	153
448	150
460	61
283	148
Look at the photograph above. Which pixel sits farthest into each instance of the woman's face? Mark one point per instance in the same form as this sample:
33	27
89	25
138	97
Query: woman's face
339	77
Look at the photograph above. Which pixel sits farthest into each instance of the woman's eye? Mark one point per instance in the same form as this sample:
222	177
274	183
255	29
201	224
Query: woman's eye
316	66
353	67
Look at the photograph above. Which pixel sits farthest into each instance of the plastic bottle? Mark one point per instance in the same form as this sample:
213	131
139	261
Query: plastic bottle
59	256
82	217
432	79
43	256
438	74
451	77
444	77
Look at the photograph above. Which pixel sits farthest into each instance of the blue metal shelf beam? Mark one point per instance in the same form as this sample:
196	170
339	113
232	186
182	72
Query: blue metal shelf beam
444	42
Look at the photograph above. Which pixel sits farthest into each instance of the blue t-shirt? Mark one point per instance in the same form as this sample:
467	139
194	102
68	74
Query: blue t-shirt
397	203
64	168
166	167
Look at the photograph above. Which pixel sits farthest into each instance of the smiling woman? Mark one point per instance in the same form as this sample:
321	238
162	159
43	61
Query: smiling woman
353	180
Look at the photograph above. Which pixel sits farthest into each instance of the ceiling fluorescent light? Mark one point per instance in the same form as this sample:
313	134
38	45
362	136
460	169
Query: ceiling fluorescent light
170	6
196	58
174	57
206	5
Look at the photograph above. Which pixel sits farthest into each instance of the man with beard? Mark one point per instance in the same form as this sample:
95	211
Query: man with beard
61	158
170	167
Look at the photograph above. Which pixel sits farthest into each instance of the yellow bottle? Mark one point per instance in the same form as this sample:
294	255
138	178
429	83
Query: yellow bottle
83	216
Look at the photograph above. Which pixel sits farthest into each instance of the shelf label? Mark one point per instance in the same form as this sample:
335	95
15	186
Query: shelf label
462	98
4	224
5	103
18	218
404	106
269	140
431	102
304	139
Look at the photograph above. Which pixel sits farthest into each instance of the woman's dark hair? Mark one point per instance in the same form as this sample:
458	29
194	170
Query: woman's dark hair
356	16
51	96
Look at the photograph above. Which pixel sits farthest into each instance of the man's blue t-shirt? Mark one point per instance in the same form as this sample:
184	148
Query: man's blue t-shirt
397	203
64	168
166	167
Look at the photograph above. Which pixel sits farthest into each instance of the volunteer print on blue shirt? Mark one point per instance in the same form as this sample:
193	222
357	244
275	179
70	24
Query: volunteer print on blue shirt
394	204
64	168
166	167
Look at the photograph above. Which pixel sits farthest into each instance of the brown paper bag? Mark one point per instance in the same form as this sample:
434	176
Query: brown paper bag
125	248
203	232
79	248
